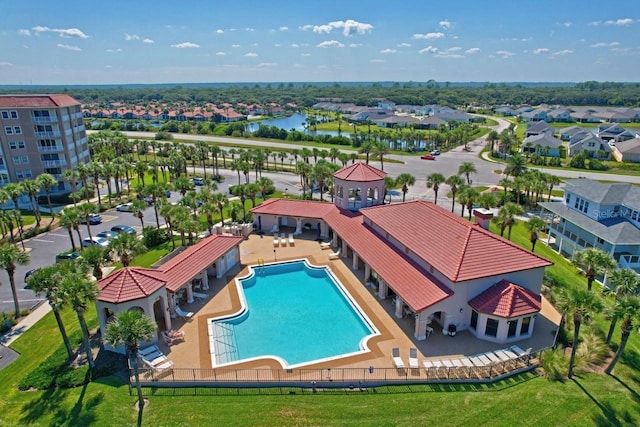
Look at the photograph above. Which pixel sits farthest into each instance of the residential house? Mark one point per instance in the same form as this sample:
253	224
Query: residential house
573	133
597	147
534	115
593	214
629	150
537	128
614	132
559	115
544	144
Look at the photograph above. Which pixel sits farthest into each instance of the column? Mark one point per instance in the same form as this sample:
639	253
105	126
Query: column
205	281
172	305
219	272
420	328
189	293
367	273
344	249
167	314
298	226
382	288
399	304
354	262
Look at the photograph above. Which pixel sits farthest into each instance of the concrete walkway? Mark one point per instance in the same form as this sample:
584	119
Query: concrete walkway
24	324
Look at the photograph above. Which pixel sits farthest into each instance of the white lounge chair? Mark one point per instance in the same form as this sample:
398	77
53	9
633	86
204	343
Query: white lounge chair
200	295
184	314
291	240
148	350
276	241
413	358
326	245
334	255
397	360
283	240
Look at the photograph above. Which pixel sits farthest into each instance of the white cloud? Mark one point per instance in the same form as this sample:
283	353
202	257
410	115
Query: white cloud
277	45
504	54
562	52
251	55
235	46
306	27
63	32
5	64
148	41
330	43
355	44
250	30
219	31
388	51
267	65
68	47
185	45
377	60
129	37
447	53
540	50
428	36
446	24
350	27
428	49
114	50
320	29
221	53
472	50
567	24
283	28
24	32
603	44
404	45
619	22
295	45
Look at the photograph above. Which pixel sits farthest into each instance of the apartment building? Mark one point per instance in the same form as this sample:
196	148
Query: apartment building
38	134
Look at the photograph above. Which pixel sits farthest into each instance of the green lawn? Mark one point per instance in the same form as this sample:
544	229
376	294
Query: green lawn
591	399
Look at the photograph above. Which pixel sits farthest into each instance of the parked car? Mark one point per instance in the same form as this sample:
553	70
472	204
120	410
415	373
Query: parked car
27	275
147	199
197	181
123	229
435	152
125	207
107	234
95	241
93	219
67	256
428	157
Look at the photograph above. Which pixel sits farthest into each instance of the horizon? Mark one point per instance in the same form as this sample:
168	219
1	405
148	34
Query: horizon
68	43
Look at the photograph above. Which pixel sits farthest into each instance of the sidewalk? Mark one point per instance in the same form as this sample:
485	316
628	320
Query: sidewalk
26	323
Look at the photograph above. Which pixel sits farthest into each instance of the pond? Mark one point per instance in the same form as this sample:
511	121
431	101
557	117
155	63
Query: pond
294	121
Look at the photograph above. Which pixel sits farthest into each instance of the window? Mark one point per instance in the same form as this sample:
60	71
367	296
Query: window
568	198
600	241
17	130
5	115
14	114
16	144
23	174
513	325
492	327
10	114
474	319
524	328
8	130
586	207
17	160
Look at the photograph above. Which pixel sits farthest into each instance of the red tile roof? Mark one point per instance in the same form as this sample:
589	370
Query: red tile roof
130	283
294	208
187	264
452	245
508	300
28	101
360	172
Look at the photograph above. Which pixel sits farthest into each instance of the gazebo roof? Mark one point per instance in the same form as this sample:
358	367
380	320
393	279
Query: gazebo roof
130	283
507	300
360	172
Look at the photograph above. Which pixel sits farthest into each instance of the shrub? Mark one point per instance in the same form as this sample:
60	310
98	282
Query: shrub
152	236
555	364
163	136
55	371
592	351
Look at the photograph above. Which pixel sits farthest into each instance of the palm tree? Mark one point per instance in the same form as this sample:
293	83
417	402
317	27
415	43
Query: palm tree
182	185
304	170
70	219
129	328
31	187
96	257
85	210
47	181
379	150
580	304
10	255
433	181
47	280
14	191
366	148
516	165
80	292
492	137
623	282
471	195
594	262
71	176
404	180
534	225
95	170
552	180
137	208
627	308
466	169
455	182
126	246
220	201
506	217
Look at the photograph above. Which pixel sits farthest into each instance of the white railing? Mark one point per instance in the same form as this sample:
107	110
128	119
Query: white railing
44	119
48	134
50	148
53	163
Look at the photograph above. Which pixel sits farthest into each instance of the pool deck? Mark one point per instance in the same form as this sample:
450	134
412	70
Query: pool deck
193	352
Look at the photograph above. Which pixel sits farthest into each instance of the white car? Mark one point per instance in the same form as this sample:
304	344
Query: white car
125	207
95	241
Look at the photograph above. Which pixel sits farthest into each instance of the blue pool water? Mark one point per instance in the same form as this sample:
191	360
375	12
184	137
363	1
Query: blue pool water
293	312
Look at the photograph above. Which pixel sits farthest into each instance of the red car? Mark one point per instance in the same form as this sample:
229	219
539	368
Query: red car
428	157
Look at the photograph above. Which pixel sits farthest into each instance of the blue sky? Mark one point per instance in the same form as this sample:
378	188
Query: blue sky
73	42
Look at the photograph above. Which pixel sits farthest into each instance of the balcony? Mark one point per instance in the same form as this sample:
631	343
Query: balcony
44	119
53	163
48	134
50	149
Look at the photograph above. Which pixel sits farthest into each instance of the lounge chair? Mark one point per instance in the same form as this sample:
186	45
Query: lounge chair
397	360
200	295
171	337
148	350
276	241
184	314
291	240
326	245
413	358
334	255
283	240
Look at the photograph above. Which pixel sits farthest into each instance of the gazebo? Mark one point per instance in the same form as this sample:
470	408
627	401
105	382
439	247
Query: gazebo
358	186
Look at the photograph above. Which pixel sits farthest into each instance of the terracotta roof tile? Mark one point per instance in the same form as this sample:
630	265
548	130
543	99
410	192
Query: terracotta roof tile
360	172
28	101
190	262
505	299
454	246
294	208
130	283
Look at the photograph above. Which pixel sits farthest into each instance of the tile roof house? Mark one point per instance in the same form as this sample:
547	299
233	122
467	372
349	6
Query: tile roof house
595	146
544	144
629	150
593	214
431	261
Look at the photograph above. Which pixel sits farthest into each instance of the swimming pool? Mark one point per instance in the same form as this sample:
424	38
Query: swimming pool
293	312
